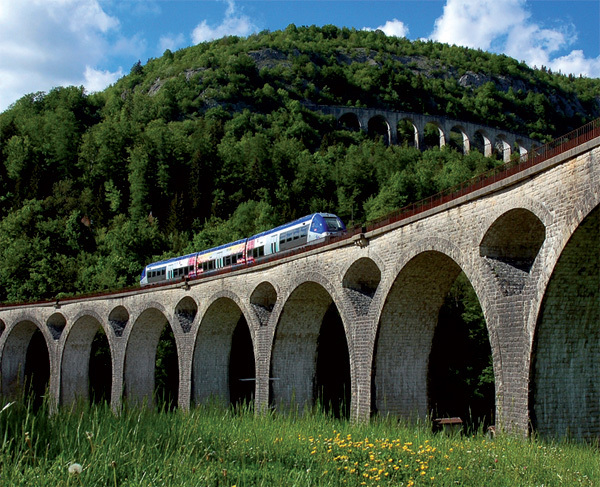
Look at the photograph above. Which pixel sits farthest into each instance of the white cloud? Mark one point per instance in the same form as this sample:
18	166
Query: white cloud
394	27
48	43
233	25
171	42
506	26
97	80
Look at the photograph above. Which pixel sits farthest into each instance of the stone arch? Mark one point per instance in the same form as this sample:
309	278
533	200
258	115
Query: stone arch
459	140
56	325
16	343
296	364
263	300
360	283
380	127
407	321
502	148
408	134
521	148
514	239
349	121
185	312
433	135
118	319
565	362
75	363
140	355
212	352
482	142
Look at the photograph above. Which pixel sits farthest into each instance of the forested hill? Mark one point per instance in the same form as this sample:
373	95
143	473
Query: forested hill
214	142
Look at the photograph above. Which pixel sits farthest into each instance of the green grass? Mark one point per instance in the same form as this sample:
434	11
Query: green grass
213	445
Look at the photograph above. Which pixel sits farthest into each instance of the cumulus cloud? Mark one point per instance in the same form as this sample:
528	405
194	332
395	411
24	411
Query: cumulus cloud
506	26
234	24
393	27
48	43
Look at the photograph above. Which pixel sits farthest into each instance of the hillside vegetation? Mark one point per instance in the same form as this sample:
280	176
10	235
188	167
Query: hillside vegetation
215	142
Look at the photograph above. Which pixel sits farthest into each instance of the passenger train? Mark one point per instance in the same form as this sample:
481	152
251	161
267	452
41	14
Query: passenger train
308	230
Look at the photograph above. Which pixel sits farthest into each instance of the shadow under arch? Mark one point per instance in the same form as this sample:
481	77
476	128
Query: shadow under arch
565	362
310	356
223	363
26	363
82	366
405	373
141	358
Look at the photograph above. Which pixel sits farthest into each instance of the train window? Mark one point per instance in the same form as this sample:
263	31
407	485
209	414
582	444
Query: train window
234	259
304	231
162	272
296	234
227	260
333	225
281	238
288	237
240	256
258	251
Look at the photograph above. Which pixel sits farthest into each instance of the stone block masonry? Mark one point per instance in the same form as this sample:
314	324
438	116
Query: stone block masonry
528	244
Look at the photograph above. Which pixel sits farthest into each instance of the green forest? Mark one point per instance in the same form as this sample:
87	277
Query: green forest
216	142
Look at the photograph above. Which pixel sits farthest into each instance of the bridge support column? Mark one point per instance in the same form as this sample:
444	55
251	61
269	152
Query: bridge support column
510	350
361	366
186	359
116	393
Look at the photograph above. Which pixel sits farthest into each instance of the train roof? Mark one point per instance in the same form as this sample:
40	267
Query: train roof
172	259
287	225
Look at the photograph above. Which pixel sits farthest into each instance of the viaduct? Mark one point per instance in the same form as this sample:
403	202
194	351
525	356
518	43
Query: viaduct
528	242
406	127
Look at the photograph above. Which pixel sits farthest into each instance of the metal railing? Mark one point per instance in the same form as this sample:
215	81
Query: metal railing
536	156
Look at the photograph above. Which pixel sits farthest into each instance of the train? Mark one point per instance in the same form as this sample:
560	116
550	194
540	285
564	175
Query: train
308	230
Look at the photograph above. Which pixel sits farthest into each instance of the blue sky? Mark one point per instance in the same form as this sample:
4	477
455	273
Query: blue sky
47	43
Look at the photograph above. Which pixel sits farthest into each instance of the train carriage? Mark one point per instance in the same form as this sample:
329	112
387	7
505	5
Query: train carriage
307	230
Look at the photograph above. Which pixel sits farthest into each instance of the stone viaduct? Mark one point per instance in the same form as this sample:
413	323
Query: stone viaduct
388	124
528	244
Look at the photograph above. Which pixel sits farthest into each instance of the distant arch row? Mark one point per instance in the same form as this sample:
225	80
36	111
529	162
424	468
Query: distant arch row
427	131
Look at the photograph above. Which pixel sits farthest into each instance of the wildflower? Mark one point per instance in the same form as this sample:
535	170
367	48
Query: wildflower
75	469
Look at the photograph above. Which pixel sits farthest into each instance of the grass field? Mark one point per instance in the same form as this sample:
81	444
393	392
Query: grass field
214	445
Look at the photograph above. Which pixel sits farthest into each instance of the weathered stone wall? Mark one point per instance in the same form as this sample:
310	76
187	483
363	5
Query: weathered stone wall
517	241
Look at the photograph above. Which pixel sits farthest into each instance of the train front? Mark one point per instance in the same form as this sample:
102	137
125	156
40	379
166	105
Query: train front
326	225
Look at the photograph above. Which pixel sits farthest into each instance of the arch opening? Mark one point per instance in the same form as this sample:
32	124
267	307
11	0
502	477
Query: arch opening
37	370
25	364
143	358
361	282
408	136
242	368
86	366
565	365
166	371
461	375
332	381
100	384
302	374
56	324
118	319
349	121
511	245
263	300
421	336
433	136
458	140
379	128
212	353
186	311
